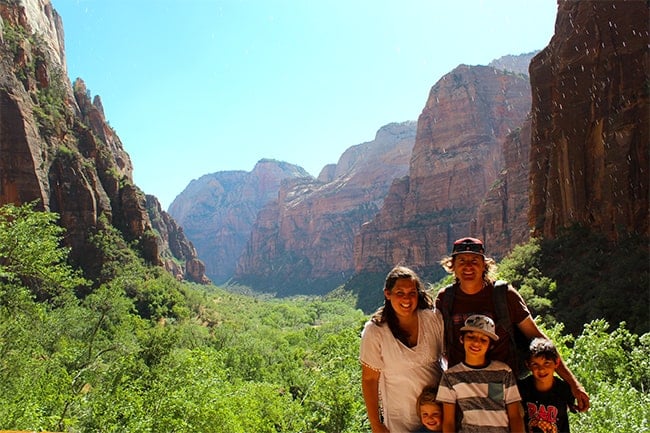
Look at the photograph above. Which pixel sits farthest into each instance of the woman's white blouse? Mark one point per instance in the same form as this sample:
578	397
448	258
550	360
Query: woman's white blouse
404	371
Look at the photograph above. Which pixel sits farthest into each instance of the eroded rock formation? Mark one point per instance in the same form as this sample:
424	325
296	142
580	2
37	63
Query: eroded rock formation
303	242
456	159
590	120
218	210
57	149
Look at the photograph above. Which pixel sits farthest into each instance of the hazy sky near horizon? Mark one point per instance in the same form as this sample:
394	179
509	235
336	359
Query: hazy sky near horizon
198	86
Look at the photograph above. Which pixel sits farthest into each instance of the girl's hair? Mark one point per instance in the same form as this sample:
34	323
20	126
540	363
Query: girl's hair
489	273
427	396
386	313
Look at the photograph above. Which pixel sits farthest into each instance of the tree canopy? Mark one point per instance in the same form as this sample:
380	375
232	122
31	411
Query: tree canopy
141	352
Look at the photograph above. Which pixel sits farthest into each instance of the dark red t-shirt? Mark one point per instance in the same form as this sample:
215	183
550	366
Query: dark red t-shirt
482	303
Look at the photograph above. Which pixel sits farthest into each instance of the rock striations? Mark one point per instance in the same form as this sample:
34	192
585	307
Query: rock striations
590	120
456	160
218	210
302	242
57	149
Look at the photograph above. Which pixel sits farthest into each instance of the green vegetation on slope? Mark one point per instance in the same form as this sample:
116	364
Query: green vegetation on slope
141	352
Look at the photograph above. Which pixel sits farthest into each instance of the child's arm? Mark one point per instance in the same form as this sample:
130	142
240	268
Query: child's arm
449	418
515	417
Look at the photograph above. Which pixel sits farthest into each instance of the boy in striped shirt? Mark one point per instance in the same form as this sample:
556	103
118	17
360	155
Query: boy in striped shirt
479	395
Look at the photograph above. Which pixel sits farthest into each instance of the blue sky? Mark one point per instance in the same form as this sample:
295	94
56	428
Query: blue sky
198	86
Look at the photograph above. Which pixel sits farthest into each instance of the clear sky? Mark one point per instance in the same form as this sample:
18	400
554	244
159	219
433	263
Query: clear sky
198	86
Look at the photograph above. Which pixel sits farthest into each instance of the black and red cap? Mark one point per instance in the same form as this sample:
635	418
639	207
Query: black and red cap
468	245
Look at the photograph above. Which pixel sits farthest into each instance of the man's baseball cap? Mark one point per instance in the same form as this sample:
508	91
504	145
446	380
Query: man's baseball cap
468	245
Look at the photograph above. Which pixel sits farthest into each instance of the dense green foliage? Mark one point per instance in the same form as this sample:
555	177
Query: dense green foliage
141	352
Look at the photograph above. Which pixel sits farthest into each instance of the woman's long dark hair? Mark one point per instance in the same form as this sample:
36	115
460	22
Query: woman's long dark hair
386	313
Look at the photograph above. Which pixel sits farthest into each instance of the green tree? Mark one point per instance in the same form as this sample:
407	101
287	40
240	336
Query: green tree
31	256
614	367
521	268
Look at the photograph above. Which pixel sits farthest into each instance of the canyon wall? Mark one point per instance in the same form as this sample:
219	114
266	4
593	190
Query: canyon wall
590	120
456	161
57	149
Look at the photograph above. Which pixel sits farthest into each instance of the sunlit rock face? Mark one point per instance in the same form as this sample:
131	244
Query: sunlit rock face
502	217
56	147
218	210
456	159
590	120
303	242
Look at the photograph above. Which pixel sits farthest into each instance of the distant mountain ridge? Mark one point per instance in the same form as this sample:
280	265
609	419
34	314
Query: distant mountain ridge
302	225
218	210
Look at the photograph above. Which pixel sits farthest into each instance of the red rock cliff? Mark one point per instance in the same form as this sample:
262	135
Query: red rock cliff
456	159
590	120
303	242
56	146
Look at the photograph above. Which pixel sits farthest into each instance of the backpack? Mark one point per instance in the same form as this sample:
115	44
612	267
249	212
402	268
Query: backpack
519	343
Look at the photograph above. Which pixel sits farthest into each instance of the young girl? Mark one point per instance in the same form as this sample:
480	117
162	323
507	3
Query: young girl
429	411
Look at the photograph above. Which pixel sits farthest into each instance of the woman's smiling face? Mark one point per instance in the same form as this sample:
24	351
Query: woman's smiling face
403	296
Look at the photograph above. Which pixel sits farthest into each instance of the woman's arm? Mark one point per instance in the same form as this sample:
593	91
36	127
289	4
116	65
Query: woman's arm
515	417
449	418
370	391
530	330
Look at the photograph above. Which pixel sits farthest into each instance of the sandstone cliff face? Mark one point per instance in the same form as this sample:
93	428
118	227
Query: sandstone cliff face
502	217
217	211
55	144
456	159
302	243
590	118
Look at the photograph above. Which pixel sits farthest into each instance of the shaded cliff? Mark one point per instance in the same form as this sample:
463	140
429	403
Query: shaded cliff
218	210
456	159
56	147
590	120
302	243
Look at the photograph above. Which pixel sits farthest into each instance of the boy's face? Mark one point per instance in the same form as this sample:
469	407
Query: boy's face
476	344
542	367
431	416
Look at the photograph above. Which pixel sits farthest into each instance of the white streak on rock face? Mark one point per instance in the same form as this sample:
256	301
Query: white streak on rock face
43	20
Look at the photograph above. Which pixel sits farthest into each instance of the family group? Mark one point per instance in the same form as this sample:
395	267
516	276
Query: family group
450	364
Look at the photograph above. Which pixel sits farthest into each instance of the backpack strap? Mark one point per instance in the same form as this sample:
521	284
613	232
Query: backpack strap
446	310
502	313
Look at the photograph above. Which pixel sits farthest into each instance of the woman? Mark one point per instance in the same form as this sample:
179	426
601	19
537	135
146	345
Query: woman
400	352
